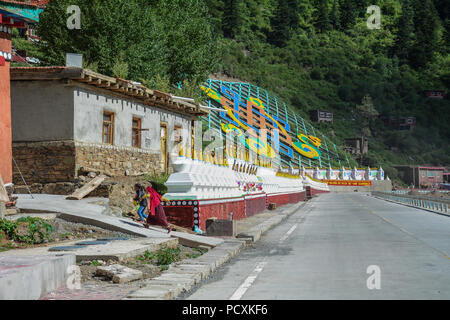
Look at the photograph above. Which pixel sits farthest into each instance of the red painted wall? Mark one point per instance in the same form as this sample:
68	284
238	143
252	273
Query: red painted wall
255	205
5	115
185	215
316	191
182	216
282	199
221	211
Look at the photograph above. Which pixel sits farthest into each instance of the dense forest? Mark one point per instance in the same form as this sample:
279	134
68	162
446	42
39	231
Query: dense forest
313	54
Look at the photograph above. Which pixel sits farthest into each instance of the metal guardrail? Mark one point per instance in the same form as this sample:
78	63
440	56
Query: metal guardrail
429	203
424	192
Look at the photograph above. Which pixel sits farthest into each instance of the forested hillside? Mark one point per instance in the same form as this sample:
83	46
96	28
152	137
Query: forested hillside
314	54
320	54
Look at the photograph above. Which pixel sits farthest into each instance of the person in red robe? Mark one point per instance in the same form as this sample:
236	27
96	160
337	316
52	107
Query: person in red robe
156	214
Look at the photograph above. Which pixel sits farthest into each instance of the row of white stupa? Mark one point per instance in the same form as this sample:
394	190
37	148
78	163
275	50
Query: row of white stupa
345	174
196	179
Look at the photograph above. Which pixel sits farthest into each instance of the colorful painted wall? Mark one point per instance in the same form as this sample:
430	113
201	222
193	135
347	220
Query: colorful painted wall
286	135
30	9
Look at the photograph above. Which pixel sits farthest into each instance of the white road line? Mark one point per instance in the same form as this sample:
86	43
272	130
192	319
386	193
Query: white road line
283	238
406	231
237	295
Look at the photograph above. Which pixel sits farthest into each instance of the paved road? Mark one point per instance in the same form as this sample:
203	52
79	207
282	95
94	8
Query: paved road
323	251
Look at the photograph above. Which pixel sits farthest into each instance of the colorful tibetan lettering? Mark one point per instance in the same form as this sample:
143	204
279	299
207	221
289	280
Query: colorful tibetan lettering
252	117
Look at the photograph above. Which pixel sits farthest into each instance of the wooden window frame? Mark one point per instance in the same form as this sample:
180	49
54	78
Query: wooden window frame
165	156
176	129
139	131
111	129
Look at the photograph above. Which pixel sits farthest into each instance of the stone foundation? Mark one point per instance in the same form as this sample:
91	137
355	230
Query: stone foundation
44	163
116	161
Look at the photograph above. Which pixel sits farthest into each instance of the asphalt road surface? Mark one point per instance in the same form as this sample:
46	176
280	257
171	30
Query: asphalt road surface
342	246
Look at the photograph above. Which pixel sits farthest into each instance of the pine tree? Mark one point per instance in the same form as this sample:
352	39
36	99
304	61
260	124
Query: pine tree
323	19
348	13
366	112
426	30
443	8
216	8
232	18
446	35
293	13
335	22
405	34
281	25
361	7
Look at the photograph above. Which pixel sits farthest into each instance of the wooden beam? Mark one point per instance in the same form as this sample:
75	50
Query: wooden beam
18	74
98	75
107	84
87	188
96	82
86	79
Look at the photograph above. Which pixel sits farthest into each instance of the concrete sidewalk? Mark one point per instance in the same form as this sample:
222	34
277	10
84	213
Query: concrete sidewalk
29	277
117	250
86	211
28	274
251	229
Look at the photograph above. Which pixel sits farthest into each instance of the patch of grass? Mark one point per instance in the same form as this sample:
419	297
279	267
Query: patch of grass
9	228
162	257
167	255
164	268
95	263
197	253
66	235
38	230
146	256
7	247
26	230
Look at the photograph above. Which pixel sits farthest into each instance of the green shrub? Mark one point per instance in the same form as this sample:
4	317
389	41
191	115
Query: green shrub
37	230
9	228
95	263
167	256
161	257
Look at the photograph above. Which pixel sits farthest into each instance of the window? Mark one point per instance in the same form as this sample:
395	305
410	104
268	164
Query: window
178	133
108	127
136	133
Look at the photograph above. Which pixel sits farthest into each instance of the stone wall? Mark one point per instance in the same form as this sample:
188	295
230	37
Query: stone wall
116	161
44	163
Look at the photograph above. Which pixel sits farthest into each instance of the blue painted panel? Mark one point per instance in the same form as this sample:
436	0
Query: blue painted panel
30	13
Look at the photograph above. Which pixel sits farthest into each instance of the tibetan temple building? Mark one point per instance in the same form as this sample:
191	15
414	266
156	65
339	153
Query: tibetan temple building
30	9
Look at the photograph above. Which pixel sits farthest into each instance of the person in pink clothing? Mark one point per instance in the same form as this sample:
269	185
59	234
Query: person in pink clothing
156	214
